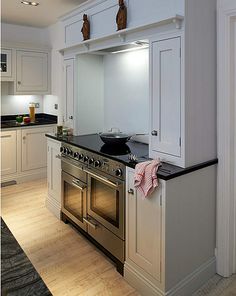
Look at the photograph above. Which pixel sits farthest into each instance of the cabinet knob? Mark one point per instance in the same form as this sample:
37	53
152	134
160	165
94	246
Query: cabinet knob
154	133
24	138
131	191
70	117
19	82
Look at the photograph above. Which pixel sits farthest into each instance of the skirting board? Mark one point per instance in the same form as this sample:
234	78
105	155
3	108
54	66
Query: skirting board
26	176
186	287
53	206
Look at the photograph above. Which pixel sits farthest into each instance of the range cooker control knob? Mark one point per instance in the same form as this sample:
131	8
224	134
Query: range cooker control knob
118	172
69	151
81	156
76	154
97	163
91	161
61	149
65	150
86	158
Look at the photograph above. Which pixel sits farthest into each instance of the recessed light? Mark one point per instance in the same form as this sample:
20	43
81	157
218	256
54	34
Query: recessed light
30	3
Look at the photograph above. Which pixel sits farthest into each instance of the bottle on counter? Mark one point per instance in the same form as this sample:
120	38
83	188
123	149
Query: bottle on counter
32	112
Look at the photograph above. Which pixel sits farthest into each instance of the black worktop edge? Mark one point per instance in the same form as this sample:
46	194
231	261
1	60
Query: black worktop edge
184	171
164	171
47	119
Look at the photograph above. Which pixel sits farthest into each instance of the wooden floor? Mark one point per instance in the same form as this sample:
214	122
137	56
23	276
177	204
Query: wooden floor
66	261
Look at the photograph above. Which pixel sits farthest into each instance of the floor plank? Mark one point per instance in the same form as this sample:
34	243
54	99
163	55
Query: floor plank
66	261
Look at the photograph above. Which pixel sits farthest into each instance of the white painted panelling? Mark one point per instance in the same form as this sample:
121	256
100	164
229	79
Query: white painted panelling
126	92
90	94
103	16
143	12
200	81
226	188
73	33
11	105
166	96
100	27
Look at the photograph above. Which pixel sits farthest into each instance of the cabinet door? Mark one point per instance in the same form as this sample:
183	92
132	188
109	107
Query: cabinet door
8	152
143	217
31	71
54	170
6	63
69	90
34	148
166	97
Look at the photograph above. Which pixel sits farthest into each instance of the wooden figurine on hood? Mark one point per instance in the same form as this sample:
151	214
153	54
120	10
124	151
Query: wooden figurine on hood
121	17
86	27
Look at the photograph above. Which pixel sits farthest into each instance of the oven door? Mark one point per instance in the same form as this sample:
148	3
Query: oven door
74	201
106	202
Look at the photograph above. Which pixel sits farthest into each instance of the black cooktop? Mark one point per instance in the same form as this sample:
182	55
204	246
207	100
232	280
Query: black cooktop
94	143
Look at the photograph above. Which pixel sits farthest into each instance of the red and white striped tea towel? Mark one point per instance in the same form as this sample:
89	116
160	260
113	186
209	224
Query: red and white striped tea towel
145	176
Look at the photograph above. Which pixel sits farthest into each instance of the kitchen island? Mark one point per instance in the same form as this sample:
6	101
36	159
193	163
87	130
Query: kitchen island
169	236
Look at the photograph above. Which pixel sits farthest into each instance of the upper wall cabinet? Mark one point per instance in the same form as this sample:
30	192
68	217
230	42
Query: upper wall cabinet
166	97
6	64
32	72
29	70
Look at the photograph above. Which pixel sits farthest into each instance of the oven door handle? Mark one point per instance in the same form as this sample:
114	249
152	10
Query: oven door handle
75	183
93	225
103	179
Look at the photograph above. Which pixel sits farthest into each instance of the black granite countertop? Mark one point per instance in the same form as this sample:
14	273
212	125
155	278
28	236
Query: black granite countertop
9	121
93	143
18	275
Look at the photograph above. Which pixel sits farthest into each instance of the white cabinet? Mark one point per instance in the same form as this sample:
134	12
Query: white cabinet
6	64
54	169
143	215
170	235
24	153
32	72
68	90
53	201
8	152
34	147
166	97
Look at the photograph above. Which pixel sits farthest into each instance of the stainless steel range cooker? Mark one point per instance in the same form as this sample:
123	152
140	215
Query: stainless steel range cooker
93	198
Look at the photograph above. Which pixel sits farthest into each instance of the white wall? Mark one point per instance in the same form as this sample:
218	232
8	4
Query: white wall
126	91
90	93
12	105
23	34
55	39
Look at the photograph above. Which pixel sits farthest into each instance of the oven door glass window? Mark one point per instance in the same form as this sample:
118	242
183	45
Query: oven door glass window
105	201
74	199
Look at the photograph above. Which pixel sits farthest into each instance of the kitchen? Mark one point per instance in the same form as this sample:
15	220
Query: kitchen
124	82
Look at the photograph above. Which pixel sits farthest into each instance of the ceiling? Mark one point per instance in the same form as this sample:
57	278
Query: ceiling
43	15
